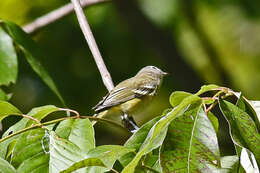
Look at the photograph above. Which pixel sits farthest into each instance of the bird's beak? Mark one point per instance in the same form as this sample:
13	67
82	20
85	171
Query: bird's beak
164	73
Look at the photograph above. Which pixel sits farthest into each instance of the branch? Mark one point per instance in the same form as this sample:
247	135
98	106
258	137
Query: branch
57	14
41	125
107	80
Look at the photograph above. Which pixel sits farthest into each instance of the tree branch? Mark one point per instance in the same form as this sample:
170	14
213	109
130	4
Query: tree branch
107	80
57	14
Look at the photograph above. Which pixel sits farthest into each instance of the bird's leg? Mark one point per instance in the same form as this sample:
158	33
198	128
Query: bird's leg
129	123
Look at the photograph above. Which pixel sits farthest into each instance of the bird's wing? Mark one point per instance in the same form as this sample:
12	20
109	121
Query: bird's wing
121	93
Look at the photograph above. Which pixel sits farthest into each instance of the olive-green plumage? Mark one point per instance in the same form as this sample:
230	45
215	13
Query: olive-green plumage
128	96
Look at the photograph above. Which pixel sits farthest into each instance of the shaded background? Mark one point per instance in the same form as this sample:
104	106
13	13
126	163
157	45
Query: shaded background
197	42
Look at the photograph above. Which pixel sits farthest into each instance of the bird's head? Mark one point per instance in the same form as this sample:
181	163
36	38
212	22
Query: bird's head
152	70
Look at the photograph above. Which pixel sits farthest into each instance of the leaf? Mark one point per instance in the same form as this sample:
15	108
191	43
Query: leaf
7	109
8	59
158	132
4	96
78	131
252	108
229	164
177	97
214	121
242	128
108	154
32	52
28	154
248	161
6	167
191	144
63	153
84	163
40	112
206	88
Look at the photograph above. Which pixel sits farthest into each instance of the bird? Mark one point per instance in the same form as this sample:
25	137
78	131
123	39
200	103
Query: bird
131	96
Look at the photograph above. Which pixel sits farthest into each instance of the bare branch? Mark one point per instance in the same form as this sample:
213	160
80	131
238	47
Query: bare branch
56	14
107	80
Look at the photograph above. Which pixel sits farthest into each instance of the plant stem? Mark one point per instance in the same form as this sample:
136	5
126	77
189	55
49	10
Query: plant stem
56	15
41	125
107	80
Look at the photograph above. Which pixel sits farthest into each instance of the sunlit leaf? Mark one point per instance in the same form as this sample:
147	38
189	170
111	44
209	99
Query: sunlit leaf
63	153
177	97
32	53
214	121
7	109
191	144
206	88
78	131
8	59
84	163
242	128
108	154
158	132
6	167
40	112
28	154
252	108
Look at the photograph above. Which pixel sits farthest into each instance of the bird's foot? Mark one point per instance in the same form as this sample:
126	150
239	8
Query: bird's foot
129	123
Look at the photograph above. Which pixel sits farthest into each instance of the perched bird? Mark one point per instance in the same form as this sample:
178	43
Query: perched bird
131	95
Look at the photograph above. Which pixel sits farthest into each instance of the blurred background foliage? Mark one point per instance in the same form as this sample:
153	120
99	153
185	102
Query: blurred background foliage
196	41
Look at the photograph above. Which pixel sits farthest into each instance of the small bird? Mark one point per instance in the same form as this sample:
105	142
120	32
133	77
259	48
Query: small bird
131	96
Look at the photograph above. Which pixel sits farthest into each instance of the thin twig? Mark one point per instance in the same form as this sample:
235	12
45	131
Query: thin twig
56	14
41	125
107	80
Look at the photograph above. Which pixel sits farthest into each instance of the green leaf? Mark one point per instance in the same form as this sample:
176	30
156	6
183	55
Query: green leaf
32	53
108	154
214	121
177	97
252	108
206	88
4	96
8	59
63	153
158	132
242	128
6	167
191	144
28	154
7	109
84	163
78	131
229	164
40	112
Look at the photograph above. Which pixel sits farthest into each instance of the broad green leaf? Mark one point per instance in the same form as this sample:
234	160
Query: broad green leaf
177	97
229	164
63	153
8	59
252	108
40	112
78	131
7	109
6	167
108	154
242	128
214	121
191	144
136	140
28	154
32	53
206	88
84	163
158	132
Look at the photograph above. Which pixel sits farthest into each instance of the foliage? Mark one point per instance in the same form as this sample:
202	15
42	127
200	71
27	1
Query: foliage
182	139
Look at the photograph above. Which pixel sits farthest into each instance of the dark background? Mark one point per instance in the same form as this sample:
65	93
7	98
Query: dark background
197	42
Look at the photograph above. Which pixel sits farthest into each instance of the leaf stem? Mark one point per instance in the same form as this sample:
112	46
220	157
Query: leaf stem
41	125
